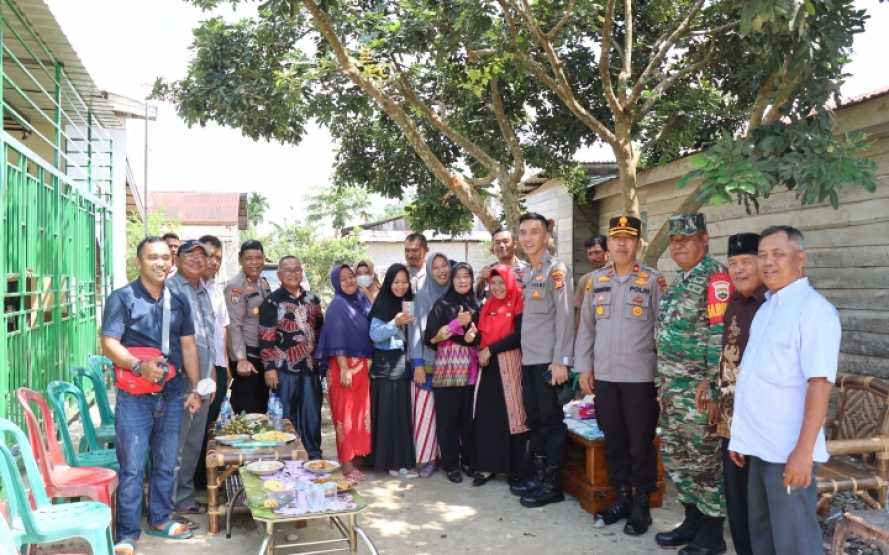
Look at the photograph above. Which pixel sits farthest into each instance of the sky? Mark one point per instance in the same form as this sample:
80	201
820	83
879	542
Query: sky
127	44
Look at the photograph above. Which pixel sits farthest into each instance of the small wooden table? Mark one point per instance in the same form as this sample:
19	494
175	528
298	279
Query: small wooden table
223	462
585	474
869	526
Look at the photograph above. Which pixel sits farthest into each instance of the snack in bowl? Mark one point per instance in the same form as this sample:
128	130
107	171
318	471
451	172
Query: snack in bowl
274	435
264	468
321	465
274	485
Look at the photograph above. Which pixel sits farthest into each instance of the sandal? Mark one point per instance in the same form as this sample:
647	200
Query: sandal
166	531
125	547
355	477
192	525
196	508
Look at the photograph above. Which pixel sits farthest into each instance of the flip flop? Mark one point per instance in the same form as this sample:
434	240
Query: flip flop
192	525
167	531
125	547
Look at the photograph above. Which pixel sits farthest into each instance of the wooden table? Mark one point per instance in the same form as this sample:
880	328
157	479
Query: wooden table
223	461
870	526
344	522
585	474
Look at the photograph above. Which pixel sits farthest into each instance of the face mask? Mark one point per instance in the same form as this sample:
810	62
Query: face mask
364	280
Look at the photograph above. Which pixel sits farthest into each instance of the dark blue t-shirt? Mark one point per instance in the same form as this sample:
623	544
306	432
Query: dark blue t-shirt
134	317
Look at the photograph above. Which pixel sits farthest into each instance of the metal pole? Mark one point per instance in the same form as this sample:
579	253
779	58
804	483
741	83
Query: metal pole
145	176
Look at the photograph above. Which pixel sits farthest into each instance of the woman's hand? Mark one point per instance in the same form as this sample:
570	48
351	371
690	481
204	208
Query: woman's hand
471	333
464	316
444	333
419	375
484	356
345	378
403	319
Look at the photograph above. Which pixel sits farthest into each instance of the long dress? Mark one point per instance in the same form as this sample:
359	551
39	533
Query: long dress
392	429
350	410
500	436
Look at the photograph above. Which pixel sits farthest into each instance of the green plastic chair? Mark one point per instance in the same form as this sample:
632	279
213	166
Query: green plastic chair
9	542
92	375
44	522
57	392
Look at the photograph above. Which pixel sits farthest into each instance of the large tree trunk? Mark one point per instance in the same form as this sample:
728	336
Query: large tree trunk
512	207
627	160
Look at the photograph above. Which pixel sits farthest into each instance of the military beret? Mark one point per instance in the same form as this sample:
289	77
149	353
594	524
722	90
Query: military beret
624	225
743	243
688	224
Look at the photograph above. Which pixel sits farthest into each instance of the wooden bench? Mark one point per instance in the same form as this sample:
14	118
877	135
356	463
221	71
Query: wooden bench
869	526
585	474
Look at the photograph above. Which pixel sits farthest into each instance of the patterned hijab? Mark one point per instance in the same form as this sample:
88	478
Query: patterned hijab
346	329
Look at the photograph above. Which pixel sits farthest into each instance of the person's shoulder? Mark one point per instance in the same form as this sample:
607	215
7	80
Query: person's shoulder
814	304
236	282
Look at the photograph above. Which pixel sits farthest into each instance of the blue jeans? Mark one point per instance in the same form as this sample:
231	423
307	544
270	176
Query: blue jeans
144	422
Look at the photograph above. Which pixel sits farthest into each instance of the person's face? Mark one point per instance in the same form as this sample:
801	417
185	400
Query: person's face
744	271
214	261
155	262
533	236
503	246
290	272
400	284
174	246
621	248
362	271
781	262
441	270
252	261
498	287
192	264
462	281
596	254
415	253
687	251
347	281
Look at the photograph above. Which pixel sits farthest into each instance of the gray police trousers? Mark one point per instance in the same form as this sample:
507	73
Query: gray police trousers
781	524
191	438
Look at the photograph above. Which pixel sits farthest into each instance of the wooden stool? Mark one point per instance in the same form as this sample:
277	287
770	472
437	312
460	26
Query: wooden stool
870	526
585	474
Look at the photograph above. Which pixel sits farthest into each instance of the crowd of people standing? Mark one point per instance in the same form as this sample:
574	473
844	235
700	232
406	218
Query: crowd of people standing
436	367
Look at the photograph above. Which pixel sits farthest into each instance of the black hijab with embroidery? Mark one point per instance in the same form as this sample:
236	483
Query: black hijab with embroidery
448	306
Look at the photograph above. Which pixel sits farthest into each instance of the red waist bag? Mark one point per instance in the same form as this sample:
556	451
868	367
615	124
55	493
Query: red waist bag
125	380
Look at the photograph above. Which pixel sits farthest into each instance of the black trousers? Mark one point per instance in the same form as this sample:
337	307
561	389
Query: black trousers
200	472
736	501
301	400
545	417
627	414
453	425
249	393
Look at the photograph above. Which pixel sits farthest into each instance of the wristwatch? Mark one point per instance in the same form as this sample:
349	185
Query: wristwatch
137	368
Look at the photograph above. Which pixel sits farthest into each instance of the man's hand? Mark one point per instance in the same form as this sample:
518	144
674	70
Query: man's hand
154	370
193	402
245	368
798	470
559	373
737	458
702	395
464	316
419	375
484	356
587	383
271	379
713	413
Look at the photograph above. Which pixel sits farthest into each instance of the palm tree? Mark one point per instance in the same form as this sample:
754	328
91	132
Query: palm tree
257	205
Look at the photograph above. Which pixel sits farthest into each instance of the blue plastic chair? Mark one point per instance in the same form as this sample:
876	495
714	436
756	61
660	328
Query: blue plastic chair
57	393
9	542
45	522
92	376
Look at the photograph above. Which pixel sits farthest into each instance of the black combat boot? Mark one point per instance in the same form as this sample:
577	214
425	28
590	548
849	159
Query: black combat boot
683	533
531	483
708	540
549	490
618	510
640	515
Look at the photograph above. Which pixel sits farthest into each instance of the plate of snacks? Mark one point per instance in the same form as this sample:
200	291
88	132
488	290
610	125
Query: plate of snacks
342	485
255	418
229	439
321	466
274	435
274	486
264	468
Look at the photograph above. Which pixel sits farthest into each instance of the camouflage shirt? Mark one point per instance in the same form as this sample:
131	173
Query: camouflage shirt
690	323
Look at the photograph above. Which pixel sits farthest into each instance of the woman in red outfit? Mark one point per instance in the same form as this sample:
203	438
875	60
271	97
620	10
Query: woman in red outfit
345	344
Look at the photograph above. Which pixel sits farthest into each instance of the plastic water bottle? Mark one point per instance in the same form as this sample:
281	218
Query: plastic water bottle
276	410
225	413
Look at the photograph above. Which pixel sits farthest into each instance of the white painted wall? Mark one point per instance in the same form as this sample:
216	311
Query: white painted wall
555	202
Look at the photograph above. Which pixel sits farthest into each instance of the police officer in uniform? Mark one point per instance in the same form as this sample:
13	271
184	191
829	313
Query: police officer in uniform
244	294
689	343
615	343
547	352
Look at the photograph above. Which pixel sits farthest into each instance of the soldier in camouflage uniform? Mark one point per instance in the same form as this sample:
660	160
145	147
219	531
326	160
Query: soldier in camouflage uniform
689	338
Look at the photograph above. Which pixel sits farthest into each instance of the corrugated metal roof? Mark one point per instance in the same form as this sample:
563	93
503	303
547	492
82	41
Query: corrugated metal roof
45	26
201	208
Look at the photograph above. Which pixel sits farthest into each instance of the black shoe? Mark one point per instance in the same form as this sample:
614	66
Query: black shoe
618	510
685	532
455	476
550	491
467	469
482	478
708	540
640	516
531	484
514	480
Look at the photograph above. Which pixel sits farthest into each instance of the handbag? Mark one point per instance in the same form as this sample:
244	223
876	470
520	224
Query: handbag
127	381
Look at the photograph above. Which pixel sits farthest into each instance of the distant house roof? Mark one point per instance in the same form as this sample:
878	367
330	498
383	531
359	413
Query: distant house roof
200	208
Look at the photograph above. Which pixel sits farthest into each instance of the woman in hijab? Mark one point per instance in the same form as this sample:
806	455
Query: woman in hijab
500	433
451	330
367	279
438	279
345	344
391	413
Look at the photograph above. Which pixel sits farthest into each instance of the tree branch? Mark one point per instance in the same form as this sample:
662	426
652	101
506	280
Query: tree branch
605	59
509	135
566	17
656	60
627	71
670	80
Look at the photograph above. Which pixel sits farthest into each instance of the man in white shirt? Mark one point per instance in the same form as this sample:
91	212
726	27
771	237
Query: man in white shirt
781	398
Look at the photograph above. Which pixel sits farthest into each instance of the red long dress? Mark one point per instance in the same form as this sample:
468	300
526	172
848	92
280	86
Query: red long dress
350	410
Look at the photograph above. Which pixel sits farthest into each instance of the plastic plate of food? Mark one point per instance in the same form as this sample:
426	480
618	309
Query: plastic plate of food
274	435
321	466
228	439
342	485
255	417
264	468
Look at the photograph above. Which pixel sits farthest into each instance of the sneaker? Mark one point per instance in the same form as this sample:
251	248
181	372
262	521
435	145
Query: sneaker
408	474
394	474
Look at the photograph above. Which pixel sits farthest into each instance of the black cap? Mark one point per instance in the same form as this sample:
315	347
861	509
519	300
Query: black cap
251	245
742	243
187	246
624	225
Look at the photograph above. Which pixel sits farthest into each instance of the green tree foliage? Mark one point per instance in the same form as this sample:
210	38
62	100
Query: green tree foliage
257	206
158	224
340	205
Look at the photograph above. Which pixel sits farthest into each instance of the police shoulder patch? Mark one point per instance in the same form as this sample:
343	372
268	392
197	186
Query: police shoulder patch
719	290
662	282
558	276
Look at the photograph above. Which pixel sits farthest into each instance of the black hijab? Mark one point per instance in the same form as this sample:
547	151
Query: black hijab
387	305
448	306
